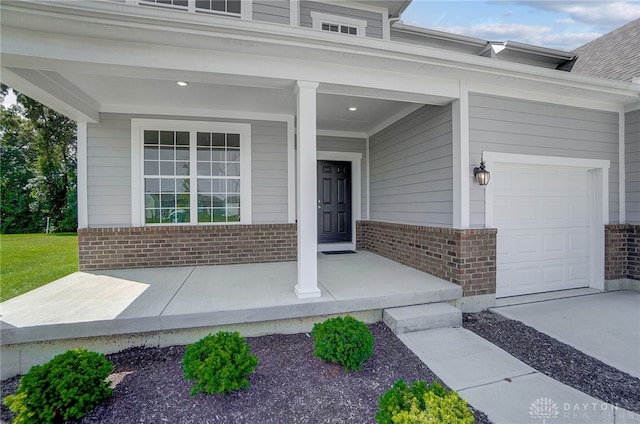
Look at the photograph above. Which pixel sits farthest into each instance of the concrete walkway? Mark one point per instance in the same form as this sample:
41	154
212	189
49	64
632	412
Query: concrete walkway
600	324
501	386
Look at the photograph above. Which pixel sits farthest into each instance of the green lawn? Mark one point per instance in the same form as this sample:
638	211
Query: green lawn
28	261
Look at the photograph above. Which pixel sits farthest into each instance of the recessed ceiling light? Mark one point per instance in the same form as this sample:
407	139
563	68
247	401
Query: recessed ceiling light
182	83
353	108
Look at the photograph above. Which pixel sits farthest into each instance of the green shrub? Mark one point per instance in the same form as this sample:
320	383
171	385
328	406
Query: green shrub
219	363
346	341
421	404
65	388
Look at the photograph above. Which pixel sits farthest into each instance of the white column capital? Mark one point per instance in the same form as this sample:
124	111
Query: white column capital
306	85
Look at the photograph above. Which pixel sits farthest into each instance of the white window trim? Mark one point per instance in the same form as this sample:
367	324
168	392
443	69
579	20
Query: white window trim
319	18
137	157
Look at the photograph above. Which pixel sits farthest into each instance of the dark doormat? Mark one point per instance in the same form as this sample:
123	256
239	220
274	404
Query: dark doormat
339	252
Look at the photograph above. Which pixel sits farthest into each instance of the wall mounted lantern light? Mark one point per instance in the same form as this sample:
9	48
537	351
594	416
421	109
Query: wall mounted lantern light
481	174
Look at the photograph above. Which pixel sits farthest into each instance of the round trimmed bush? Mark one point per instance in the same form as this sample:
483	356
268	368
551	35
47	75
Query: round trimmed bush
65	388
420	404
219	363
346	341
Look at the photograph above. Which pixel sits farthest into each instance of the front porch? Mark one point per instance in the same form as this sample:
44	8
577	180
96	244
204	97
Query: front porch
116	309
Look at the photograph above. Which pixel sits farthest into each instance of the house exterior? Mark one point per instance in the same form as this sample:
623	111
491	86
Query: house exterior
222	132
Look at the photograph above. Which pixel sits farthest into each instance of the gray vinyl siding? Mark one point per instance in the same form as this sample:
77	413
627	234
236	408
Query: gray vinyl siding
632	167
374	20
269	172
411	169
351	145
109	170
499	124
275	11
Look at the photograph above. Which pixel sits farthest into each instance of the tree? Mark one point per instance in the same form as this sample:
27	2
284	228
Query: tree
16	215
39	167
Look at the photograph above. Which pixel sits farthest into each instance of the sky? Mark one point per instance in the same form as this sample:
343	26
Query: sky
556	24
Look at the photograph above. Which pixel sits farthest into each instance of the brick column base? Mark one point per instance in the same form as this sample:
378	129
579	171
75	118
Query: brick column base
622	251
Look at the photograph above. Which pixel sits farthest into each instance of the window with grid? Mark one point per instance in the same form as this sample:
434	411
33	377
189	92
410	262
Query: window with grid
232	7
343	29
192	176
218	164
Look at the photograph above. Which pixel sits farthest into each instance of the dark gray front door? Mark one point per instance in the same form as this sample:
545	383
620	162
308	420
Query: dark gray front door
334	201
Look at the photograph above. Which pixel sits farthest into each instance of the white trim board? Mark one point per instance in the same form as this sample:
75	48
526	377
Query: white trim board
356	194
598	193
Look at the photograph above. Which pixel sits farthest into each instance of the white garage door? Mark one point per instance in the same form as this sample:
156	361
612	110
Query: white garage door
542	216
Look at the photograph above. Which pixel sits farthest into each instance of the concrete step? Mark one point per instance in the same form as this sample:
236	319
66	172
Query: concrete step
408	319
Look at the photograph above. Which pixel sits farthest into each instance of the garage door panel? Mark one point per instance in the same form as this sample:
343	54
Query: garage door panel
543	221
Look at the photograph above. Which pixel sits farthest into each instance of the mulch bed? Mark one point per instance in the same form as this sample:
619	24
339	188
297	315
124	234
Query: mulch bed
289	385
558	360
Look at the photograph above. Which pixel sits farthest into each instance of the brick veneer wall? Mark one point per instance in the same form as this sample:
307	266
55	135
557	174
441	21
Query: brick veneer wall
140	247
622	251
464	257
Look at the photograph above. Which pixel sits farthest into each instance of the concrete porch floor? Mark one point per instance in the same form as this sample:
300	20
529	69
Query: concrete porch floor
144	305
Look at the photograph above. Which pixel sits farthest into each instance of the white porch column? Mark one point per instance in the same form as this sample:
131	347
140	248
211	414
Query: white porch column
306	189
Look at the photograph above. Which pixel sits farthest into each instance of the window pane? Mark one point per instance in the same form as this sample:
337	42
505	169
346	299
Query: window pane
182	200
166	138
151	168
233	140
233	169
217	139
151	153
182	185
204	154
344	29
233	186
217	169
233	201
217	155
168	185
152	201
219	186
182	153
203	139
168	201
151	185
204	215
325	27
233	215
182	138
151	137
204	168
182	168
204	201
167	168
233	6
152	216
218	5
233	155
219	201
219	215
204	186
167	153
353	31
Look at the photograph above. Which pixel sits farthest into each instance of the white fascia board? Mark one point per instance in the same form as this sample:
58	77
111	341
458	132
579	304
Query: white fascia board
53	91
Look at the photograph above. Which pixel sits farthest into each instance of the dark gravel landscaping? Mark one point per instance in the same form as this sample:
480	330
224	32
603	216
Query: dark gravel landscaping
289	385
558	360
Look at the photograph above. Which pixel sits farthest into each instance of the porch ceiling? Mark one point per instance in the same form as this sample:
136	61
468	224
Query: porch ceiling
207	94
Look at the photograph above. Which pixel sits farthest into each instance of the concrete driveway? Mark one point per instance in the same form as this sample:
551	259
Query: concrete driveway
604	325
